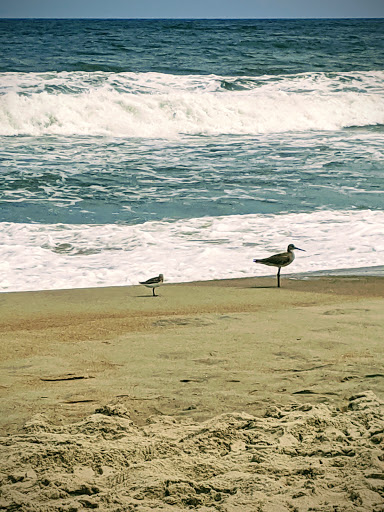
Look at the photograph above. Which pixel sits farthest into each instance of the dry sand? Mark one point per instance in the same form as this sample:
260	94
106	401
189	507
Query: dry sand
229	396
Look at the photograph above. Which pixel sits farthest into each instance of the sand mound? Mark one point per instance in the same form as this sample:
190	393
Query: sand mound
298	458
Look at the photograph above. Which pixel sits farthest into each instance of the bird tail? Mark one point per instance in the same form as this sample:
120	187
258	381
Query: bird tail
256	261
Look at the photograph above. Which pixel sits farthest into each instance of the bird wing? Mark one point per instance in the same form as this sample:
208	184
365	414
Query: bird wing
278	260
153	280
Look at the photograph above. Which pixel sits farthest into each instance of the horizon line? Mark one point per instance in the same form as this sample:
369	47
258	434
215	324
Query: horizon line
192	19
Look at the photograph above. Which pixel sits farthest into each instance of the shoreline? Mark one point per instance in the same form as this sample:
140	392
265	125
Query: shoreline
359	272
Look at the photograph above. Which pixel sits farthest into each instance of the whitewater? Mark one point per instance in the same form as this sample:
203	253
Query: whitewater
164	106
36	257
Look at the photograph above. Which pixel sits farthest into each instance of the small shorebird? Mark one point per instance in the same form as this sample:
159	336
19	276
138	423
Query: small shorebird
280	260
153	283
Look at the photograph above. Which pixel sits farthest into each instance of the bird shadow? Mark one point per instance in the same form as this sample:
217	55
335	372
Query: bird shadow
262	287
147	296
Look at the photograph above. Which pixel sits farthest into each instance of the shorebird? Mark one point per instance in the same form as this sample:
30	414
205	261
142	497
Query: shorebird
153	283
280	260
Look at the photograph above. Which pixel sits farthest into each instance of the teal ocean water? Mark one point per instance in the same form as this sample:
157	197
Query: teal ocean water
131	148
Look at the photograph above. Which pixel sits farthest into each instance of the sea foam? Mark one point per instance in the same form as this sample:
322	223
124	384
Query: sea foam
165	106
38	256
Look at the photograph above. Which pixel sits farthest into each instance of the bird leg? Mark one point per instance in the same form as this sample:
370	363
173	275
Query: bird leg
278	277
153	292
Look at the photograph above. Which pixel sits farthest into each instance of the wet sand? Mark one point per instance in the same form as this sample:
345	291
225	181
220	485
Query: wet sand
261	388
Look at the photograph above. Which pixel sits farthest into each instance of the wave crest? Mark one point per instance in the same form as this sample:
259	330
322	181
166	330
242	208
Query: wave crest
165	106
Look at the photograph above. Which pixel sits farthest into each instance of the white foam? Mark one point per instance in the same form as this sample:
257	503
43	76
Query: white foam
157	105
37	257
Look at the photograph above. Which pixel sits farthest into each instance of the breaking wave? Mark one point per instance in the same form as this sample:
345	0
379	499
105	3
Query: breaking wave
166	106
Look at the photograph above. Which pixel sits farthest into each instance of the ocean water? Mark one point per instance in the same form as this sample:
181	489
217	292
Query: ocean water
130	148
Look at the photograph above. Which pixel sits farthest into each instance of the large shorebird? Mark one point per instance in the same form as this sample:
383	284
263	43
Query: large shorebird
280	260
153	283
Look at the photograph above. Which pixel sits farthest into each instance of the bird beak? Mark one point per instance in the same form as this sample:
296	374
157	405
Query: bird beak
298	249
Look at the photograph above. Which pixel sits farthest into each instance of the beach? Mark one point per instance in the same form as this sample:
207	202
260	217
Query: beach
218	395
